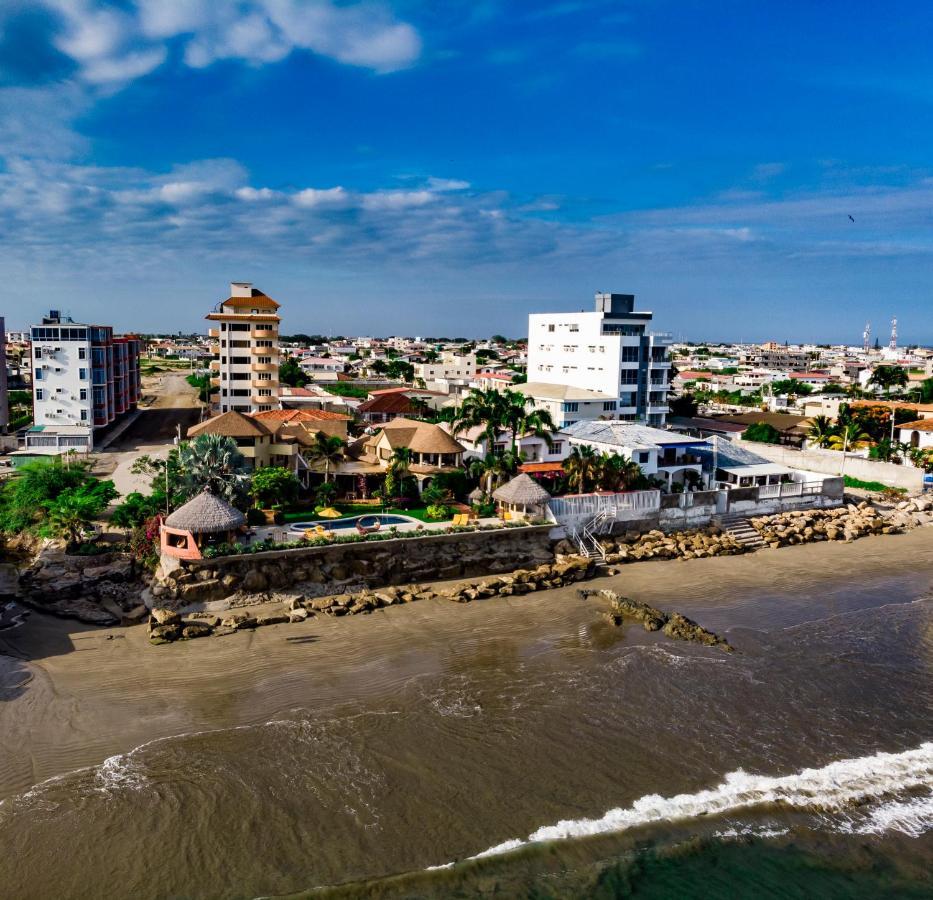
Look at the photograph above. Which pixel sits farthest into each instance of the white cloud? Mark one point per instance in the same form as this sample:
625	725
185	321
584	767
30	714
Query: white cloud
397	199
310	198
113	45
447	184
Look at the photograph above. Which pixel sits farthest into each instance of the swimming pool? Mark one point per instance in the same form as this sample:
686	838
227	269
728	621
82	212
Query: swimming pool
366	521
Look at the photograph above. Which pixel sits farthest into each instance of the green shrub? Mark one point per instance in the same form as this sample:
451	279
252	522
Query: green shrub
437	511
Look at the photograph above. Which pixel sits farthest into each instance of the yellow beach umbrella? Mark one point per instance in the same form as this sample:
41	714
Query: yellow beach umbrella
330	513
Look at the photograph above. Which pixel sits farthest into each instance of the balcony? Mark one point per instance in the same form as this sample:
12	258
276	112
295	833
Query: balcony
256	400
265	384
213	332
265	333
264	367
264	351
215	382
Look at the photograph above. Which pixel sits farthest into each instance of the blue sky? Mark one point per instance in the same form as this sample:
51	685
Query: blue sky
446	168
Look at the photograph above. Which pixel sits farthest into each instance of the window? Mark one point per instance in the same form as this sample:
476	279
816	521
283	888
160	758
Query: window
571	407
557	447
82	374
83	394
38	373
630	354
574	327
609	406
239	326
38	353
550	328
82	352
40	394
643	456
628	376
83	415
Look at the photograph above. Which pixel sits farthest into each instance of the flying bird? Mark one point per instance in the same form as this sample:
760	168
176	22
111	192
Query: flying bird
851	219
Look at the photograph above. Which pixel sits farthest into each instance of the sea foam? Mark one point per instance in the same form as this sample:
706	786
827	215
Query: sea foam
830	788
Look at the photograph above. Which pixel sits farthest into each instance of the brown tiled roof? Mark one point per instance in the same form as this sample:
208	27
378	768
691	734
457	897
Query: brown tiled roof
230	424
256	300
919	425
388	404
421	437
298	415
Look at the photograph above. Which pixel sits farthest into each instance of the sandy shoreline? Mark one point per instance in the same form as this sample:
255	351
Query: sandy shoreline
75	695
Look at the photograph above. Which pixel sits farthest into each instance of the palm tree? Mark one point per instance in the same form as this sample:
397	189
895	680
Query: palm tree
521	421
213	461
71	514
851	437
887	377
821	431
481	409
327	450
493	469
579	466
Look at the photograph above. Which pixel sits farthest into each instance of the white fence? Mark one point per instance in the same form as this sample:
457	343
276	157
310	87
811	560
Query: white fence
790	489
565	509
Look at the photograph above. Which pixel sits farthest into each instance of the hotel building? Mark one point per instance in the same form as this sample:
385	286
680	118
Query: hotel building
609	354
84	378
245	367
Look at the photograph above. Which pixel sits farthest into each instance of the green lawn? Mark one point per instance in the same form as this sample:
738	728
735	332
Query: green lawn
357	509
871	485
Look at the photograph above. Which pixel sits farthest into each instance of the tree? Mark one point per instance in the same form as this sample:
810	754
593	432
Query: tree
580	466
613	472
214	462
850	437
273	485
136	508
887	377
71	514
481	409
327	450
763	433
821	430
291	373
520	420
790	386
685	405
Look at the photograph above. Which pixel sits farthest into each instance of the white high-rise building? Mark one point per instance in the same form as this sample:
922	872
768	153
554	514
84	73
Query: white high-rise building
83	379
610	352
245	368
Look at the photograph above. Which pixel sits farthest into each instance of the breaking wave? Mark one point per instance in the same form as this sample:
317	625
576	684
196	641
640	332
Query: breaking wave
832	788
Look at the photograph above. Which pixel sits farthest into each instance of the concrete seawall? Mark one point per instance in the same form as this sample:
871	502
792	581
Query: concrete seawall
354	566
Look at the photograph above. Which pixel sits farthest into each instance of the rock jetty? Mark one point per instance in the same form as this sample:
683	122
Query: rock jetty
674	625
167	625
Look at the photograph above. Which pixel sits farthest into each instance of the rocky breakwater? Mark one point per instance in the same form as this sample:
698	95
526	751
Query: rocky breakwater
674	625
634	546
167	625
847	523
101	590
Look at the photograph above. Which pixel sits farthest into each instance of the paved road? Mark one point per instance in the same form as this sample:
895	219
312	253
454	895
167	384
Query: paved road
153	431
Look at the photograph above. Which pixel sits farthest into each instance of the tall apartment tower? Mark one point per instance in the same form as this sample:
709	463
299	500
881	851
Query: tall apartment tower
4	396
610	351
245	367
83	379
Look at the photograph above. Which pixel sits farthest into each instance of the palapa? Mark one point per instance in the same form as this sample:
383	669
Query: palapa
522	490
206	514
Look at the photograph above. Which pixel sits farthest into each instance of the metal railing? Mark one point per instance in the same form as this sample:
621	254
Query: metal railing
591	504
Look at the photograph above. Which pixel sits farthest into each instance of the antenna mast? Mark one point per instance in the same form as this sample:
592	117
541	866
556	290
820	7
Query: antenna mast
893	344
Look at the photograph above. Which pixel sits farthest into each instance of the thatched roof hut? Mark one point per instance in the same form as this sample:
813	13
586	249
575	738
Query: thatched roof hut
522	494
476	495
206	514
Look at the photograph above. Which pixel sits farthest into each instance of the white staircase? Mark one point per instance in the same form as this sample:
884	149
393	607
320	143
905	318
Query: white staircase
585	536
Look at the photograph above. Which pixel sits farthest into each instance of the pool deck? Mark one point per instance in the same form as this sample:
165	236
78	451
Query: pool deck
281	533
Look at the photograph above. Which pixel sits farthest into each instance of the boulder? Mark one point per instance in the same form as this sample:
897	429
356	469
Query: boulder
164	616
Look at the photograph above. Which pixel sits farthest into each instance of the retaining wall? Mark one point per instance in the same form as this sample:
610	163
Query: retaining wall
317	571
829	462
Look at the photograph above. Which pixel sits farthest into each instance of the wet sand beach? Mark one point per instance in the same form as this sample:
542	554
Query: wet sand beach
342	750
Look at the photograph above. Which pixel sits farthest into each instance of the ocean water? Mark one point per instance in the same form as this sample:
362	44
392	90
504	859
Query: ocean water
520	748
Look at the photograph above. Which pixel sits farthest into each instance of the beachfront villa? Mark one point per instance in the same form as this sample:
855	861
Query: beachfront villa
667	455
533	448
275	437
432	451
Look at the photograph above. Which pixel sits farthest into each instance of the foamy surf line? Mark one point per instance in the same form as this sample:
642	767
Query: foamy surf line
828	789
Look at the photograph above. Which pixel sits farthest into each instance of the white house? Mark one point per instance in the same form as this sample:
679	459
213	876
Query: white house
918	435
609	351
568	404
668	455
534	449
